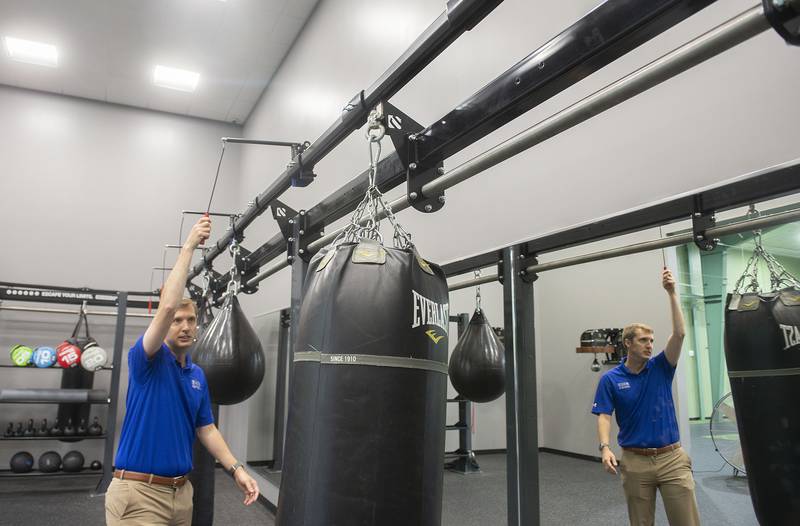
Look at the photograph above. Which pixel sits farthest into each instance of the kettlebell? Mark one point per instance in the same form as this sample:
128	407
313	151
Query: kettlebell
95	429
29	432
18	432
68	429
9	430
42	431
56	430
81	430
96	465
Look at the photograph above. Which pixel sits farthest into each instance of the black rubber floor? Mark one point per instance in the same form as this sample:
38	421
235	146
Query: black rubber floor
66	501
574	492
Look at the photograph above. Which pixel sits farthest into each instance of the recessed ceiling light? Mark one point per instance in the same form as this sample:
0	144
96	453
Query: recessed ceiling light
174	78
32	52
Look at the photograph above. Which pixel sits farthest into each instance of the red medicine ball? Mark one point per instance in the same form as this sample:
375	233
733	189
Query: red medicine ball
68	355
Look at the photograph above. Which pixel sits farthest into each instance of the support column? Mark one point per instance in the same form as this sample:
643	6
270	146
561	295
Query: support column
522	440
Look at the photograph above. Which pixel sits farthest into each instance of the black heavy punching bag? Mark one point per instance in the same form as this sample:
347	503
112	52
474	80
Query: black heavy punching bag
365	437
478	363
762	349
230	354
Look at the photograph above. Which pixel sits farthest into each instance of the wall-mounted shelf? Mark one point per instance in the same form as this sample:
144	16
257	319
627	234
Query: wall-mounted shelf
7	473
608	349
54	396
55	367
61	438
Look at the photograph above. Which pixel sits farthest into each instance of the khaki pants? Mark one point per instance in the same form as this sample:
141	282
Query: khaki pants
671	473
134	503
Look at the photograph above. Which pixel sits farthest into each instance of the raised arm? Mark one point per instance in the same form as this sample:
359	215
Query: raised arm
675	341
172	292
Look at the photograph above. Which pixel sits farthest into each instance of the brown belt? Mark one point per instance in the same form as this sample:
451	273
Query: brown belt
173	482
653	451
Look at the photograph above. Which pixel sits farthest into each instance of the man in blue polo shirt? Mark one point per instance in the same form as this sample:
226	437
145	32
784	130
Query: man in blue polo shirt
640	391
168	405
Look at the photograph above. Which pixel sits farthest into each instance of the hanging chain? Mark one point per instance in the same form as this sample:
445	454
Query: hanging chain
478	291
366	221
206	283
779	277
236	278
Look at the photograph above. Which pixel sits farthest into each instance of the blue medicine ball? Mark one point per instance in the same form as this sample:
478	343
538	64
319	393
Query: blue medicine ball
44	356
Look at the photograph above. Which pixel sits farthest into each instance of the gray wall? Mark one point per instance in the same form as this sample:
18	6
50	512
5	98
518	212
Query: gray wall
715	122
93	191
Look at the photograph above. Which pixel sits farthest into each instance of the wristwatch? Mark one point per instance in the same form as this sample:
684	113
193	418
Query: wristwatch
232	470
602	445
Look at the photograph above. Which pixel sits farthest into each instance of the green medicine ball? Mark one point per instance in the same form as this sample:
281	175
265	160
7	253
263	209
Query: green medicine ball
21	355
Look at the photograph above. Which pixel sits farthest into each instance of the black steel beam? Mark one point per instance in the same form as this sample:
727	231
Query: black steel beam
609	31
460	16
770	183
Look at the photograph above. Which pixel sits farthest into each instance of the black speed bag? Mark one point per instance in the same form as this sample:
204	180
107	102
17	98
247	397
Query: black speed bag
230	354
762	350
478	363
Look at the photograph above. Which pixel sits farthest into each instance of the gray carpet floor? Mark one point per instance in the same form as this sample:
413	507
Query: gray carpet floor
573	492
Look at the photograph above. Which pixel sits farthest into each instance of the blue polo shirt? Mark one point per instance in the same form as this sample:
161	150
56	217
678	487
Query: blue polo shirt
165	404
643	403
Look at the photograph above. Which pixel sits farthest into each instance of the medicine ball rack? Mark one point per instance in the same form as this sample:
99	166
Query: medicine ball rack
76	394
609	31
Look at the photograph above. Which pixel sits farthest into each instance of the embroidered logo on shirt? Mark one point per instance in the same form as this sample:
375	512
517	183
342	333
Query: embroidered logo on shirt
196	384
624	385
594	404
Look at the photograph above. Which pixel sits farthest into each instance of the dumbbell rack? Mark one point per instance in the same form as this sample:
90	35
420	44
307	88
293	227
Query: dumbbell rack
76	383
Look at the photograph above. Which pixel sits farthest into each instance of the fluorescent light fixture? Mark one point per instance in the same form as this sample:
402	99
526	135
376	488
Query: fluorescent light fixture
32	52
174	78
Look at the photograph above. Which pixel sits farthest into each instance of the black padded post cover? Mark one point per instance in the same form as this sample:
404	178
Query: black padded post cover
230	354
762	349
365	436
202	479
478	363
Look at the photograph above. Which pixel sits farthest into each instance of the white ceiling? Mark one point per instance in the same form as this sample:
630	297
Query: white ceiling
108	49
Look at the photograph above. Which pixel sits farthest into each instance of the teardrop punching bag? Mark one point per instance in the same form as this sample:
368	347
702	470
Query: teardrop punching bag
478	363
365	434
230	354
762	349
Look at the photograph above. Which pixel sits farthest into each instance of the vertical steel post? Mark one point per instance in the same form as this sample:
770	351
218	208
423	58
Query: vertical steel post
522	439
299	267
113	393
279	429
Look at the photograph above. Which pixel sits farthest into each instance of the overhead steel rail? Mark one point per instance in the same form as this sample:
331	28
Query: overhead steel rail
609	31
708	45
644	246
719	39
700	206
459	16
